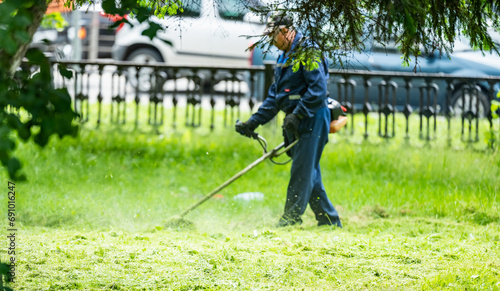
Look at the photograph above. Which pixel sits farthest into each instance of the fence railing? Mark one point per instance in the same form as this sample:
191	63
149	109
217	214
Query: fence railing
232	89
425	95
196	89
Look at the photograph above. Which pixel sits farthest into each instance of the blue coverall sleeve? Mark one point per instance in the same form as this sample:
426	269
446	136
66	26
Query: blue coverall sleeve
267	110
316	92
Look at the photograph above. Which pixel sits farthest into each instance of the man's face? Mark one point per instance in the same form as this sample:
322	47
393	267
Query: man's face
278	38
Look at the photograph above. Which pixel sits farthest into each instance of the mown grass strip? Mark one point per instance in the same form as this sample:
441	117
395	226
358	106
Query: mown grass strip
394	254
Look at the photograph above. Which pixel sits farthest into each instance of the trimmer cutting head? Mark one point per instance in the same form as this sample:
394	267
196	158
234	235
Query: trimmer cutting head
179	223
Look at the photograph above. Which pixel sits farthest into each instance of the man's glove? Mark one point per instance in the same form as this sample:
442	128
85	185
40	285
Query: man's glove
291	123
245	128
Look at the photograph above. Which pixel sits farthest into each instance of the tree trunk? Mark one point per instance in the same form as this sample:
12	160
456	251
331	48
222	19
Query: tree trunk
37	11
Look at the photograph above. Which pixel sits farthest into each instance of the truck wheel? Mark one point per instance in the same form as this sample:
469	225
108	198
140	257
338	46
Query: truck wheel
146	80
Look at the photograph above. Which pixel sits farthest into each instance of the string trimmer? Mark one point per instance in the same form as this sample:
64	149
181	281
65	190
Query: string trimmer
179	221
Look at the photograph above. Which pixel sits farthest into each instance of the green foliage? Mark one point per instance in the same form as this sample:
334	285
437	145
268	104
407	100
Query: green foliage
310	59
162	8
152	30
54	20
33	109
29	104
416	26
141	9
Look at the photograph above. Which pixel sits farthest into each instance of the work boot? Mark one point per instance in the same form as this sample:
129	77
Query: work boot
331	221
289	222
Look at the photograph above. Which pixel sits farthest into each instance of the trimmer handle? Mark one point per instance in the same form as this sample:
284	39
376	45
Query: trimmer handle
245	131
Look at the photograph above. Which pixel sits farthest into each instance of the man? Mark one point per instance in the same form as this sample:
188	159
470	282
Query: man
302	95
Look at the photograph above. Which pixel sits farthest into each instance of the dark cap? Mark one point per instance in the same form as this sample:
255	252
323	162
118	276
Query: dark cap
277	20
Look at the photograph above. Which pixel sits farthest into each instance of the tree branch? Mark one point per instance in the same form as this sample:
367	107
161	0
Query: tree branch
37	11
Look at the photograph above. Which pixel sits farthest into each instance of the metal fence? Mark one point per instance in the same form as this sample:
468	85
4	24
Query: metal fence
195	90
427	96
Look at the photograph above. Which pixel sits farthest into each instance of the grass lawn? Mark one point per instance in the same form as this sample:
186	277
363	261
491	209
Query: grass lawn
92	216
386	254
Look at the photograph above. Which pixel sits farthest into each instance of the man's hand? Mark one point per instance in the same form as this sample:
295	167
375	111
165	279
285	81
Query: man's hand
291	123
245	128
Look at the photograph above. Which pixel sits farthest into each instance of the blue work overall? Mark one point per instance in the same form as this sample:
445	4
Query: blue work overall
303	93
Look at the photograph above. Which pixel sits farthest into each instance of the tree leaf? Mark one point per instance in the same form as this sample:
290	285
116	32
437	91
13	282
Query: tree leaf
109	6
152	30
142	14
9	45
120	22
64	71
35	56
